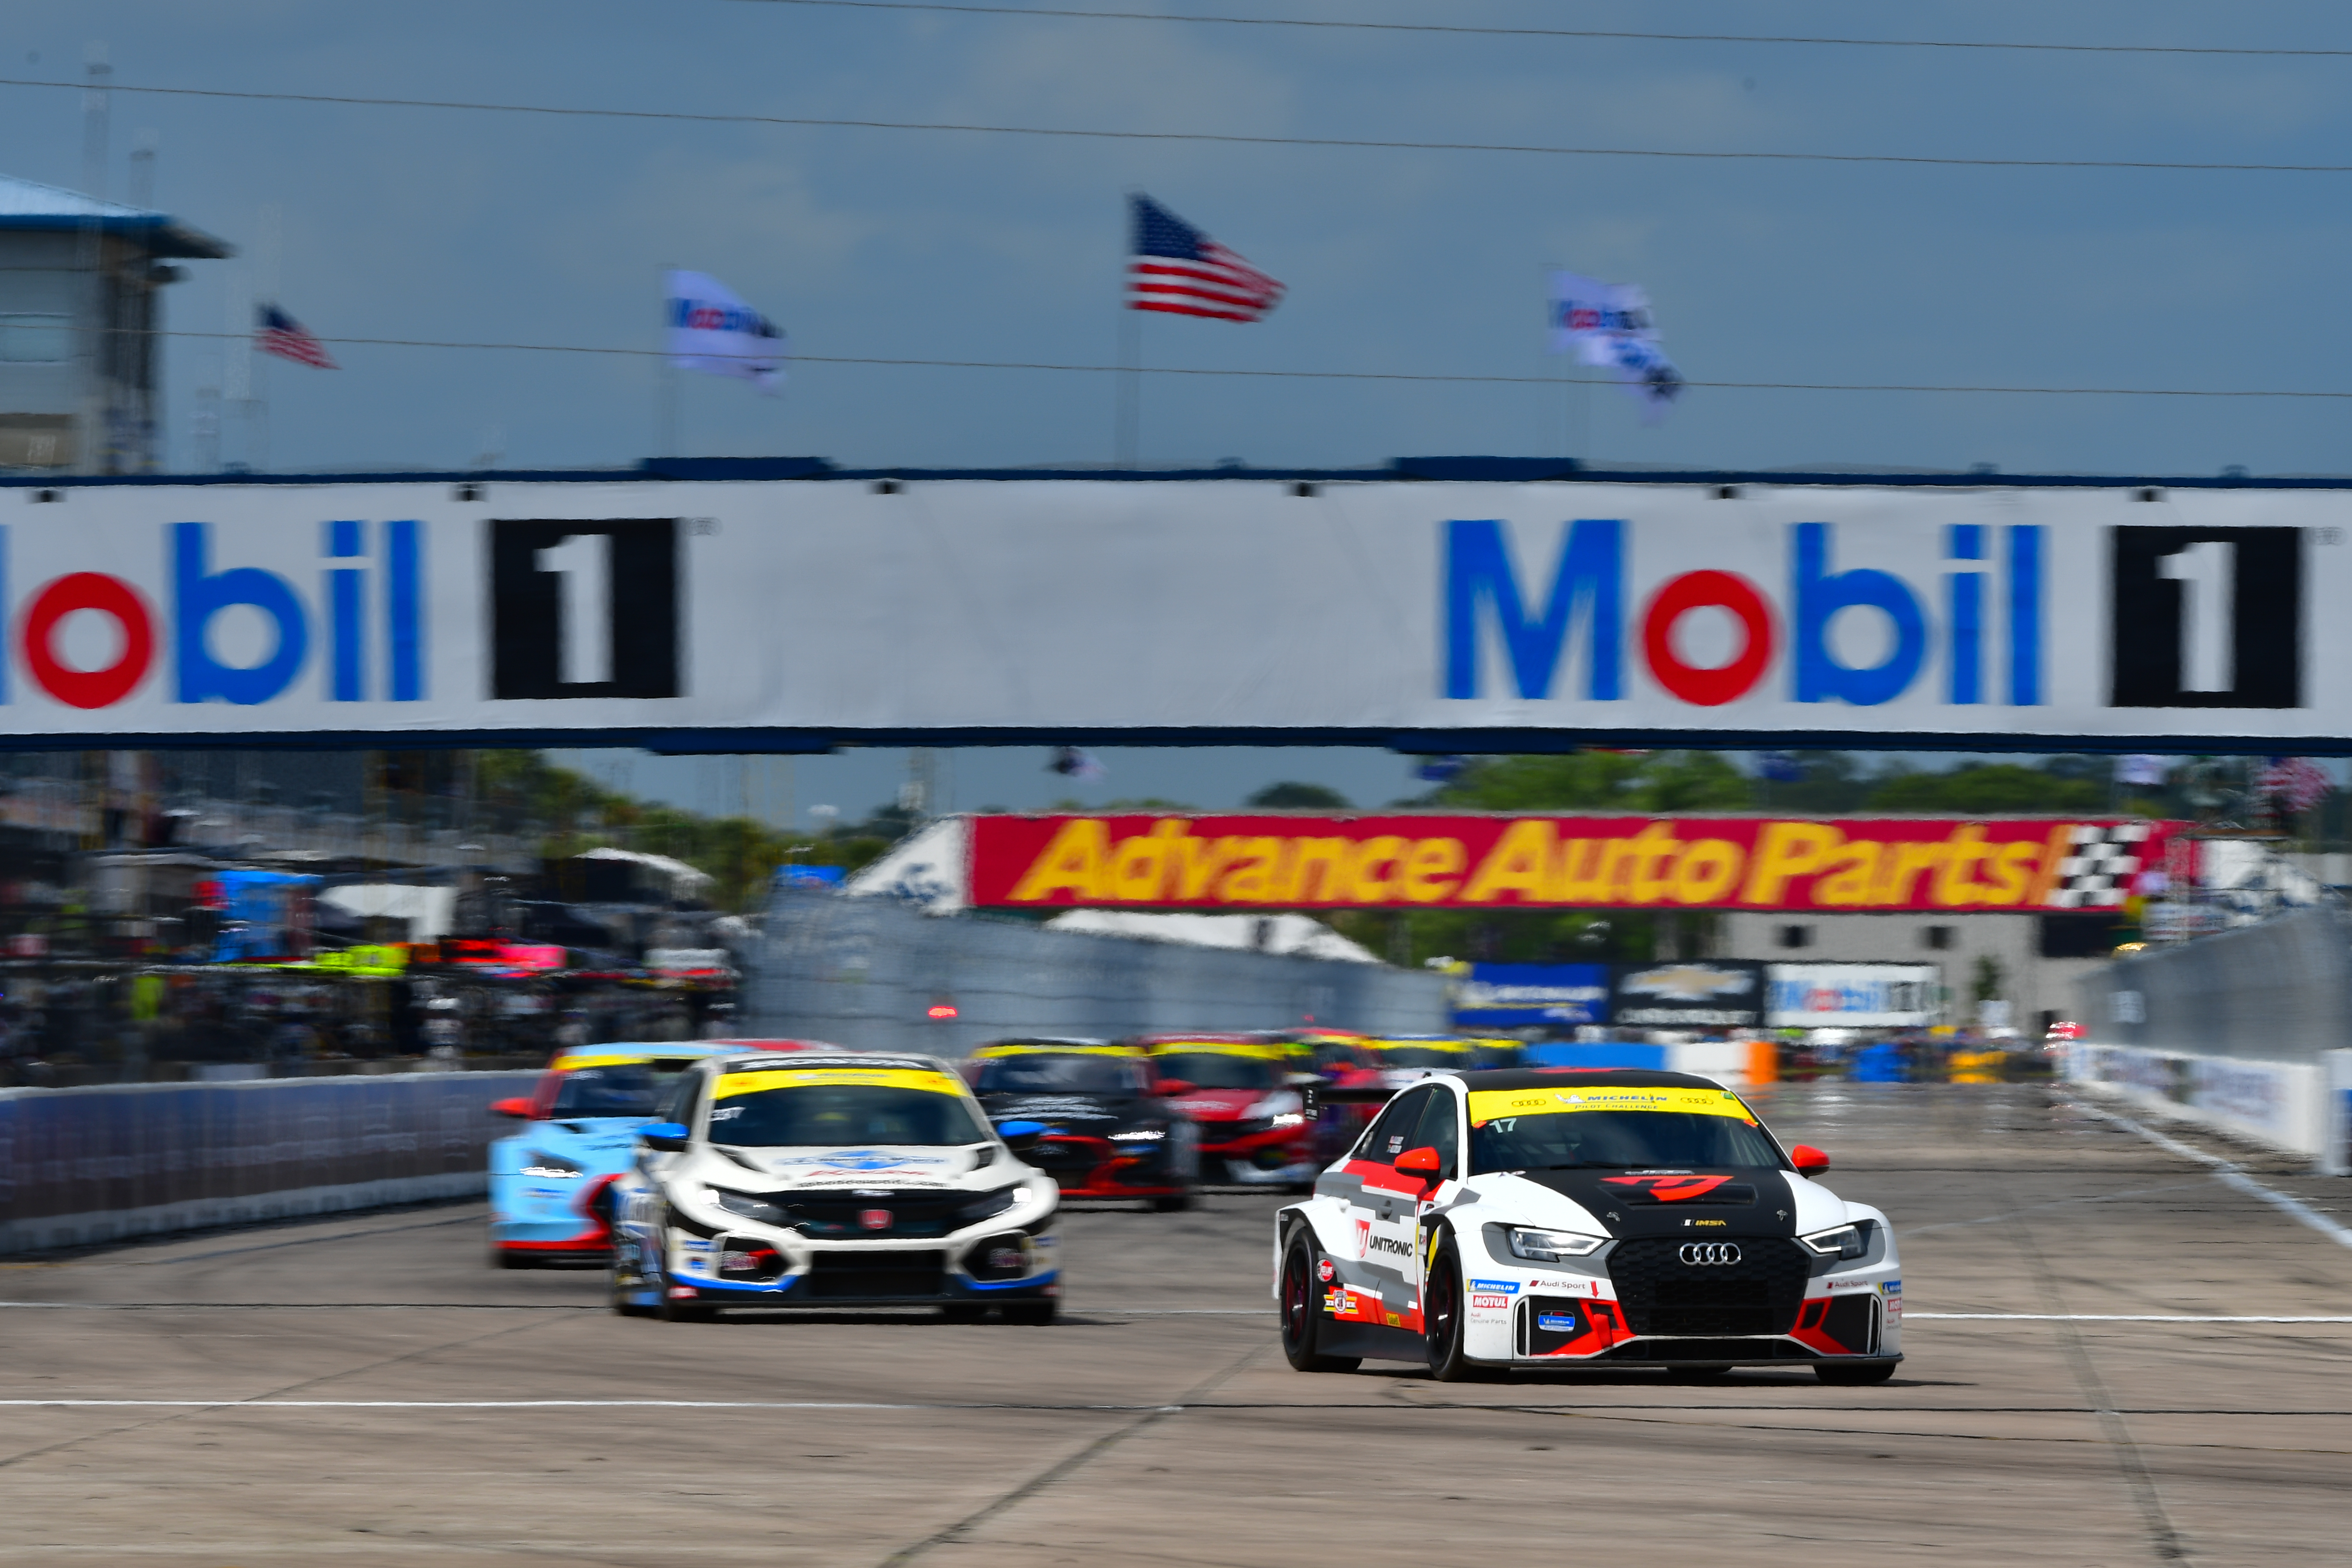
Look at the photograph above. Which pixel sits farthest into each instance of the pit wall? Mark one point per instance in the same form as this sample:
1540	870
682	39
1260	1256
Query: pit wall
79	1166
2299	1107
1738	1064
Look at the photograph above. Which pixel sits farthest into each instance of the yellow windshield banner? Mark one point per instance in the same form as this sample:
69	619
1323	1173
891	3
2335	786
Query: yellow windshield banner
987	1051
600	1059
1221	1049
741	1083
1494	1104
1416	1045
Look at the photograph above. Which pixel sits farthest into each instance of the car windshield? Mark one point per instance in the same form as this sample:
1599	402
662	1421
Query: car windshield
816	1114
616	1088
1619	1139
1214	1069
1417	1056
1057	1072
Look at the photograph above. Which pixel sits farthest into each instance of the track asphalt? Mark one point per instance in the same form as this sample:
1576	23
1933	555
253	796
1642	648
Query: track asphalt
2084	1386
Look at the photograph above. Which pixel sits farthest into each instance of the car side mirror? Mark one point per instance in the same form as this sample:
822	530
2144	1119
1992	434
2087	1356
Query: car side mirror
1426	1163
520	1109
1021	1136
1809	1160
1168	1087
669	1136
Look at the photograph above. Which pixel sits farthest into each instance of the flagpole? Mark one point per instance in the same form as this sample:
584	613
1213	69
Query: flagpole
1129	414
664	382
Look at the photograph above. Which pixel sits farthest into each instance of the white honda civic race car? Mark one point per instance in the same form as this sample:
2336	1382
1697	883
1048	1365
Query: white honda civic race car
831	1180
1558	1217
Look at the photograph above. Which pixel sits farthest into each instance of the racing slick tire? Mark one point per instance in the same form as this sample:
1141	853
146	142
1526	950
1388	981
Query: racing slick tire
963	1312
1031	1314
1849	1374
505	1258
1172	1202
1443	1305
674	1311
1301	1323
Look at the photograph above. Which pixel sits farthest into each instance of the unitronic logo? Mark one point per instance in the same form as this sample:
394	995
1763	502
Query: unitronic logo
584	609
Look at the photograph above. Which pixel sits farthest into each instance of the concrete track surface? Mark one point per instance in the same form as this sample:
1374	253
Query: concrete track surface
363	1390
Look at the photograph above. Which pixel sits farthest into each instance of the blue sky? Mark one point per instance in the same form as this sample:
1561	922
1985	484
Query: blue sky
447	225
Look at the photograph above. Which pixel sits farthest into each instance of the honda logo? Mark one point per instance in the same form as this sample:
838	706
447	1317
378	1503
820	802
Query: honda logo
1702	1254
874	1219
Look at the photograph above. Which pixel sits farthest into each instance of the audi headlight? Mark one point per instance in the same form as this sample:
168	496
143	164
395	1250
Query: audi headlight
1845	1241
550	1167
994	1203
1140	1135
1290	1118
1552	1246
745	1204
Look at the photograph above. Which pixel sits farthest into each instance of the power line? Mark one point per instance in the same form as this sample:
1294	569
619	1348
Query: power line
1596	33
1305	374
1230	138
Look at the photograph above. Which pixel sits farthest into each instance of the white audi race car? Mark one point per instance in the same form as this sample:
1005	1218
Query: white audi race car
840	1179
1563	1217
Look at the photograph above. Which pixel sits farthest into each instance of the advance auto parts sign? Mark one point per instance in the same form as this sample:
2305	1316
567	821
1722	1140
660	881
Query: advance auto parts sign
1559	862
1005	610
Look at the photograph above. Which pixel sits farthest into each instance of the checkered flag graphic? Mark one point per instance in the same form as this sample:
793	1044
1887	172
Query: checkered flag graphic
2098	872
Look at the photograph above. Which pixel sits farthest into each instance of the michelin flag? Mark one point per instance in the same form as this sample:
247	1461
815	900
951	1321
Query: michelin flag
713	331
1609	324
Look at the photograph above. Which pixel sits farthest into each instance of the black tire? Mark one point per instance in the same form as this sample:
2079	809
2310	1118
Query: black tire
1172	1202
1302	1317
620	1279
1697	1374
674	1311
963	1312
1036	1314
1849	1374
1444	1313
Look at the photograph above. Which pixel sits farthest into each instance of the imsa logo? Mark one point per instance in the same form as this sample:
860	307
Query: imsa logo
584	609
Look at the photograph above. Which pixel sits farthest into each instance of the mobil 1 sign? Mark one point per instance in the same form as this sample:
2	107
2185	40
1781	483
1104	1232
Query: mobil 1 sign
819	610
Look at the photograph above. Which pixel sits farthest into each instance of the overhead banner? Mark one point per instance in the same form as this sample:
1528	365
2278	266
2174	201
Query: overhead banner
1851	995
1714	994
805	612
1561	862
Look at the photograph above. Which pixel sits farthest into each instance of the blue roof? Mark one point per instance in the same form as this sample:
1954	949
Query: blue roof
27	206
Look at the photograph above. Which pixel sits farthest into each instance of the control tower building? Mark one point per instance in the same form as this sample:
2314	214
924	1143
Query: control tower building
81	316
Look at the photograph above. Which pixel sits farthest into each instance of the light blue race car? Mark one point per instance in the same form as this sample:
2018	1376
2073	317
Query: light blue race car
551	1183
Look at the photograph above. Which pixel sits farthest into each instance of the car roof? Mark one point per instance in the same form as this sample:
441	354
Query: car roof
1558	1078
870	1061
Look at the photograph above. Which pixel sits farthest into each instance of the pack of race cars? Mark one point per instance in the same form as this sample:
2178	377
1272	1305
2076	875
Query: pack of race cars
1480	1220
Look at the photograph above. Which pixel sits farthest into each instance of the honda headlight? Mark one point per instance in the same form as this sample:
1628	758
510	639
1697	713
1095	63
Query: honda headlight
994	1203
1845	1241
746	1205
1140	1135
1552	1246
550	1167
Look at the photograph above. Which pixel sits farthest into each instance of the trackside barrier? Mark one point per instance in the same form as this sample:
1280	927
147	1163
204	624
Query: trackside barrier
102	1164
2284	1104
1738	1063
877	975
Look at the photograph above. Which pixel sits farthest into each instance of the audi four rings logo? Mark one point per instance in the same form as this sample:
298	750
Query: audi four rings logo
1698	1254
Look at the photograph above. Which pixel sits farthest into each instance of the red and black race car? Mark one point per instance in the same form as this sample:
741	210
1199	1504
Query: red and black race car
1108	1134
1245	1093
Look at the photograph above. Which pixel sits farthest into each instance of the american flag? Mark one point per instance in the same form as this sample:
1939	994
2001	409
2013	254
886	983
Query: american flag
282	336
1179	269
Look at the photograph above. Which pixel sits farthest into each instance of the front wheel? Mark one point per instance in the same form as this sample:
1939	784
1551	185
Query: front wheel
1172	1202
1443	1299
1033	1314
1302	1319
623	1282
1847	1375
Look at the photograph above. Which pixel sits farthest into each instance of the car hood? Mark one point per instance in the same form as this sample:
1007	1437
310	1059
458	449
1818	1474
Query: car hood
827	1167
1682	1203
1069	1113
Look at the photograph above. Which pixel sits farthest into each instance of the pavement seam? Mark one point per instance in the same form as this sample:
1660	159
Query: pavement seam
956	1533
2164	1540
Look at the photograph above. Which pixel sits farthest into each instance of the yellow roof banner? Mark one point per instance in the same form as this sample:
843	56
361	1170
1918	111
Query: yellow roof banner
1222	1049
1378	1045
1043	1051
758	1082
1494	1104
